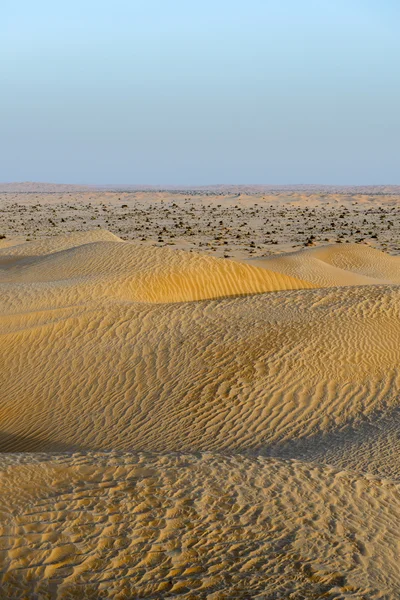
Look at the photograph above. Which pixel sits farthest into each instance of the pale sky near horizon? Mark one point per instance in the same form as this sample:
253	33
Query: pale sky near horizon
200	92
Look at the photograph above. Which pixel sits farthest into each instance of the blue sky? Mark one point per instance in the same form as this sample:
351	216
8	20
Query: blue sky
200	92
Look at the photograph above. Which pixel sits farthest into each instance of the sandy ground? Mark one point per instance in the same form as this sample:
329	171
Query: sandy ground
174	423
220	223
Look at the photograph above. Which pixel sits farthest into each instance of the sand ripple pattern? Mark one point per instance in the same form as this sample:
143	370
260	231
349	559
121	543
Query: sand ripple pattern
241	374
145	526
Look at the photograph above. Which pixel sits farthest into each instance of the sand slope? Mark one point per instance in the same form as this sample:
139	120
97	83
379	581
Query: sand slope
230	374
150	365
57	243
336	265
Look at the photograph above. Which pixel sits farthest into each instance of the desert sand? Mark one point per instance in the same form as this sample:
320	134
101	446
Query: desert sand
182	420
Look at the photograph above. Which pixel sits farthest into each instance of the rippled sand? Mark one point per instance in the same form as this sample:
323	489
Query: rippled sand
174	424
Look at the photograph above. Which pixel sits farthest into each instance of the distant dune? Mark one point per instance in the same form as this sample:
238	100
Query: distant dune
35	187
44	187
204	427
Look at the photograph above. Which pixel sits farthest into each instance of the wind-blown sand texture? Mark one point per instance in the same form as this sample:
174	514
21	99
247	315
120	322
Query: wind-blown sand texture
174	424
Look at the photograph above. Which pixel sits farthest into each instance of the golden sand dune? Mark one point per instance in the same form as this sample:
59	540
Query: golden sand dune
85	365
57	243
151	364
335	265
360	259
234	374
126	271
147	526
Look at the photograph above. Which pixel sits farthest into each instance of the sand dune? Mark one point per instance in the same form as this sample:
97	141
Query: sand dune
128	271
237	374
150	365
156	373
54	244
336	265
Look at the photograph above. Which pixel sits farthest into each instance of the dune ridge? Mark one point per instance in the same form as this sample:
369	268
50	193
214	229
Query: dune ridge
113	268
335	265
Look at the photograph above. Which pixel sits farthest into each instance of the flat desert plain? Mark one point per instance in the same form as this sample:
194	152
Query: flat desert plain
200	392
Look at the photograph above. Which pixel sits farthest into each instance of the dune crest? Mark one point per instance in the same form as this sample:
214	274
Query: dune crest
56	243
98	266
335	265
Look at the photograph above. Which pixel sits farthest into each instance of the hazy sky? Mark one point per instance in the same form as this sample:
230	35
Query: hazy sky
200	91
